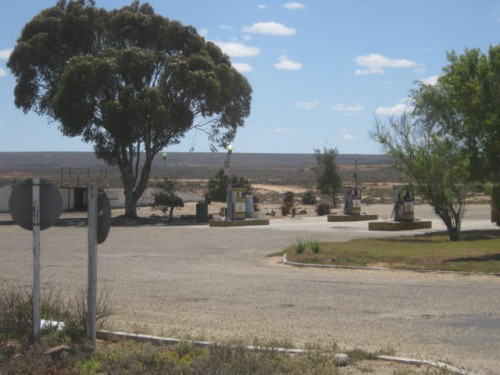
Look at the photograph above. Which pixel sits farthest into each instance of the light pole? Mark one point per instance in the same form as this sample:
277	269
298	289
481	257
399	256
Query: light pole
164	156
356	172
227	167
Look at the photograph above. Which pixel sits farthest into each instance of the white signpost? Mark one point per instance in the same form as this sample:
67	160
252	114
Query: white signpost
35	204
99	220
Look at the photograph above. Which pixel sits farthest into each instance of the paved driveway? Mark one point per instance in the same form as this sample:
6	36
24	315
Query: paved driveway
218	284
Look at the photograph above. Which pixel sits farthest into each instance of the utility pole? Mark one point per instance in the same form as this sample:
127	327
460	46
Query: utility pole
229	210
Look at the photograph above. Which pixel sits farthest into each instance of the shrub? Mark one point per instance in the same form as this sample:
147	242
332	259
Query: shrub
323	209
287	206
166	200
16	312
315	246
300	247
309	198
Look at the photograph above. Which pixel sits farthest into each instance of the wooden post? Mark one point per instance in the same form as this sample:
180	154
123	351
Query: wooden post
36	256
92	265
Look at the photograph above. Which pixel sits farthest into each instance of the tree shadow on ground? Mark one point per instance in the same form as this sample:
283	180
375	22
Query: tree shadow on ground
433	237
483	258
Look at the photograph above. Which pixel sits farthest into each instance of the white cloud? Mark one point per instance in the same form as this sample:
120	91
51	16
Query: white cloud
432	80
261	6
348	137
270	28
286	64
225	27
235	49
294	6
375	64
349	110
282	130
308	105
5	53
396	110
242	67
3	73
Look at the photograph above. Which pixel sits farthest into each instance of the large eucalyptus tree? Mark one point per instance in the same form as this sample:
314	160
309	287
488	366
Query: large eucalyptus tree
129	81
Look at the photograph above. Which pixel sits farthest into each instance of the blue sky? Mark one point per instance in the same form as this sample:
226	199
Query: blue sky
321	70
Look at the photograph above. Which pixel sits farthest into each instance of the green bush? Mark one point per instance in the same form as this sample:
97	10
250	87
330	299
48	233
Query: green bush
323	209
166	199
315	246
309	198
300	247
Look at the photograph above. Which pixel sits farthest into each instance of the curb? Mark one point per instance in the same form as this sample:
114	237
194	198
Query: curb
334	266
418	362
108	335
344	218
237	223
392	226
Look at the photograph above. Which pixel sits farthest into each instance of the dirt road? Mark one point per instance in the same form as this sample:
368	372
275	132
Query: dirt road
218	284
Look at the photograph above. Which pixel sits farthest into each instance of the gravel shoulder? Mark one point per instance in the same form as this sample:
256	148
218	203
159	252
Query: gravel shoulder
217	284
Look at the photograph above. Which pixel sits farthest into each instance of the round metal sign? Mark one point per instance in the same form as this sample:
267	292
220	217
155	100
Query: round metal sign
21	204
103	216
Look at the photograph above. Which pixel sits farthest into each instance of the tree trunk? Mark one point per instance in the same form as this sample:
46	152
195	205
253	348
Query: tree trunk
171	213
133	190
454	233
452	218
130	203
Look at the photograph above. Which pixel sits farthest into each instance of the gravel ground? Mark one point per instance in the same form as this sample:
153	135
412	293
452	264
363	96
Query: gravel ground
217	284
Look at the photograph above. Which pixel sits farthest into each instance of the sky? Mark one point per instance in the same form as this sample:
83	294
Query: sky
322	71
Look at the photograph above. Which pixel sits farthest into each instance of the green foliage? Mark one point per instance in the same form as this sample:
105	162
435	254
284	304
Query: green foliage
129	81
328	180
315	246
465	101
166	200
217	186
300	247
323	209
309	198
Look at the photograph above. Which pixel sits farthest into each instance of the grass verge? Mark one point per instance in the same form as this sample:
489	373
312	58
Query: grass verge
479	251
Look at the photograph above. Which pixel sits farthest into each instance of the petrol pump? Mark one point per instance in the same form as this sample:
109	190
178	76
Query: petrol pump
404	201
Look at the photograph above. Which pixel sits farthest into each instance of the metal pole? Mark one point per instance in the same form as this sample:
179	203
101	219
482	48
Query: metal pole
36	256
92	265
356	172
229	213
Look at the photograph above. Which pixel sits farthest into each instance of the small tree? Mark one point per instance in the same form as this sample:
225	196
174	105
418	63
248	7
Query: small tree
288	203
465	100
328	181
166	200
432	161
217	186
